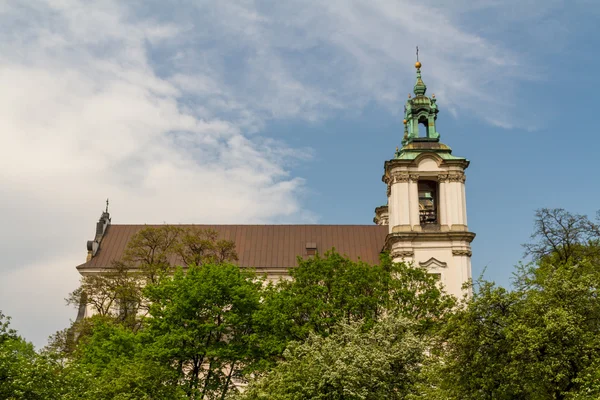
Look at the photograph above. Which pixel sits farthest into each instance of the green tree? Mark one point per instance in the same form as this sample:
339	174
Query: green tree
199	246
563	236
326	290
538	341
148	258
201	325
381	363
25	374
110	360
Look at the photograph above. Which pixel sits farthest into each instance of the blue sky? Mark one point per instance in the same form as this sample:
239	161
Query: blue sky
278	112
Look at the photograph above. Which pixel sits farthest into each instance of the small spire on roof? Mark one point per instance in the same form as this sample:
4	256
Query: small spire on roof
420	87
106	206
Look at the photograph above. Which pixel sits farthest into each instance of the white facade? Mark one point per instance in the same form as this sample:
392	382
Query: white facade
442	245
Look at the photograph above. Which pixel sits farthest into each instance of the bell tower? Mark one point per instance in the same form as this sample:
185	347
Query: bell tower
426	211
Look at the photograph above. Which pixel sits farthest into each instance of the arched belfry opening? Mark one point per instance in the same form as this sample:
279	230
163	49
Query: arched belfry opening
428	202
422	129
423	123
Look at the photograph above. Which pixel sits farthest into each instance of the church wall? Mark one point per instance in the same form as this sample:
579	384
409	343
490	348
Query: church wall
444	258
428	165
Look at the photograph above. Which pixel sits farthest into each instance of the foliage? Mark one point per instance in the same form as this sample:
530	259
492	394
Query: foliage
381	363
115	289
337	329
110	360
197	338
149	250
539	341
25	374
202	246
117	292
6	332
563	236
202	326
326	290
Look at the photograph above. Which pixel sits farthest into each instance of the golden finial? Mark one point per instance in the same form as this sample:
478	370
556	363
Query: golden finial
433	95
405	121
409	96
396	149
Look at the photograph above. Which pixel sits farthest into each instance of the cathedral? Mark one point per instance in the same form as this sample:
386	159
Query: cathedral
424	221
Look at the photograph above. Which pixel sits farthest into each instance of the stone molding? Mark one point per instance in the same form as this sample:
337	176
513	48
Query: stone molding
433	263
467	253
425	236
397	176
402	228
394	163
381	215
407	176
402	253
452	176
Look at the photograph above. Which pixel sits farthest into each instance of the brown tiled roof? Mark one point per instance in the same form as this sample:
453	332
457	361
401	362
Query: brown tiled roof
265	246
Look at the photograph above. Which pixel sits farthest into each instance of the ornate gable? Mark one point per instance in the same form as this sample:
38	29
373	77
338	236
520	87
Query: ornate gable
433	263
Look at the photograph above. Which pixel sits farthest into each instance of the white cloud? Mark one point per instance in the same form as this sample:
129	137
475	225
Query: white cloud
160	108
85	117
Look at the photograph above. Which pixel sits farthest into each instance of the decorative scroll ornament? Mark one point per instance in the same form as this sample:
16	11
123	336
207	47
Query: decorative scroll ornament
443	177
402	253
456	176
467	253
414	177
397	177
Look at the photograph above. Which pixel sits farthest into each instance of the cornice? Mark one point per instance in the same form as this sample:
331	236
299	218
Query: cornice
84	269
409	176
395	237
389	164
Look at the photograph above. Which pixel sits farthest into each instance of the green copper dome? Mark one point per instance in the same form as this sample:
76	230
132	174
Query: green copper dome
420	111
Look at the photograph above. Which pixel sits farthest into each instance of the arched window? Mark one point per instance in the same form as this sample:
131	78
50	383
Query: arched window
423	126
422	130
428	202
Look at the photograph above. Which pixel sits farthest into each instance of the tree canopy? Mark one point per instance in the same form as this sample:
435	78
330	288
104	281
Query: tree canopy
337	329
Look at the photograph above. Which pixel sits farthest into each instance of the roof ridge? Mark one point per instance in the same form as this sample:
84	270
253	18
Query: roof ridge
361	225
